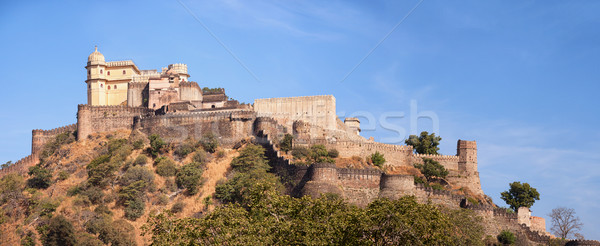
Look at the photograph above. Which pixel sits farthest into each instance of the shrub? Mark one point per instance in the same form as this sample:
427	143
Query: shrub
63	175
506	237
101	170
432	169
209	142
377	159
140	160
166	167
134	209
437	187
94	194
333	153
138	144
157	145
86	239
185	148
162	200
170	185
189	177
52	146
60	232
220	154
102	209
41	178
286	143
419	180
137	173
300	152
177	207
199	156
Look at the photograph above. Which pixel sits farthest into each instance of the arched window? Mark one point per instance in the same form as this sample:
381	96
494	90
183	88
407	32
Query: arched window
101	86
115	87
100	71
107	72
213	106
124	72
109	87
89	72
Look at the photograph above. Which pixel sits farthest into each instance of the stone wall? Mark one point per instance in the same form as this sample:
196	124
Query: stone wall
316	110
230	126
39	137
190	91
21	166
136	93
95	119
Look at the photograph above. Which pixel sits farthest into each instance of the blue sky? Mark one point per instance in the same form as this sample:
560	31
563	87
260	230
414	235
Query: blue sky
520	77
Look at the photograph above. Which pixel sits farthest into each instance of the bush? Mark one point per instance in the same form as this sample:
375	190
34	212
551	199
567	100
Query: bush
63	175
102	209
319	154
437	187
166	167
41	178
138	144
377	159
286	143
118	232
140	160
177	207
60	232
94	194
157	145
185	148
137	173
333	153
199	156
52	146
134	209
300	152
506	237
101	170
189	177
432	169
209	142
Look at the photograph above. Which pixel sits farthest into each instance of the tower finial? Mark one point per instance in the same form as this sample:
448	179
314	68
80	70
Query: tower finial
96	47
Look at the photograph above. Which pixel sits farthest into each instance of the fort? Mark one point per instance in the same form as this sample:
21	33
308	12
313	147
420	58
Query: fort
123	97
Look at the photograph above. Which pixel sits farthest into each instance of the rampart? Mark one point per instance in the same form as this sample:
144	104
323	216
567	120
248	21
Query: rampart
39	137
95	119
583	243
316	110
21	166
230	126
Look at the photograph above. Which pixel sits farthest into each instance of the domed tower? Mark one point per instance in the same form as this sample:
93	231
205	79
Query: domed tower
96	81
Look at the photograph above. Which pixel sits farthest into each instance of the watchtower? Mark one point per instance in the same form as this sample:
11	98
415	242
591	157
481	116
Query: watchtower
467	155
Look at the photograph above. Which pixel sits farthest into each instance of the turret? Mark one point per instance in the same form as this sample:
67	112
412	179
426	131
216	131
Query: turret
96	81
467	155
353	124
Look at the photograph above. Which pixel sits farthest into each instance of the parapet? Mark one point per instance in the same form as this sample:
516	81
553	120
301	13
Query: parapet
464	144
437	157
581	242
178	68
58	130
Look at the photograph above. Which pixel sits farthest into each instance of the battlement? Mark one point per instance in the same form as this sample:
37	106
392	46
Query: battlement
55	131
120	63
464	144
189	84
21	166
438	157
114	108
233	113
136	85
178	68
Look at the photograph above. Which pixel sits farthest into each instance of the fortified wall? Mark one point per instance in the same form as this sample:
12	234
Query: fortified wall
316	110
94	119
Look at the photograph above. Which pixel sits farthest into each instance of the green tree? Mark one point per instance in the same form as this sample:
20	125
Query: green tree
432	169
189	177
506	237
209	142
286	143
319	154
377	158
165	167
157	145
60	232
425	143
40	178
520	195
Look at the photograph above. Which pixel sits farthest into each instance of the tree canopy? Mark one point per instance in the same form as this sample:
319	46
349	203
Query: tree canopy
520	195
425	143
432	169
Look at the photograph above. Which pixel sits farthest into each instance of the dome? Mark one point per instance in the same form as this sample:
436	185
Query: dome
96	56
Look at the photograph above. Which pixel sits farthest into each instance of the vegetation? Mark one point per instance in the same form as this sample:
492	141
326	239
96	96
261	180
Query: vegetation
60	232
189	177
209	142
52	146
157	145
520	195
207	90
165	167
286	143
185	148
41	178
432	169
377	159
425	143
565	224
506	237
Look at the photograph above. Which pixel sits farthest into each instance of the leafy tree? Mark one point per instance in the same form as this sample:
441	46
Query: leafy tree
520	195
40	178
185	148
137	173
7	164
60	232
135	209
425	143
118	232
101	170
157	145
432	169
300	152
565	223
333	153
166	167
377	158
251	157
286	143
189	177
209	142
319	154
506	237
